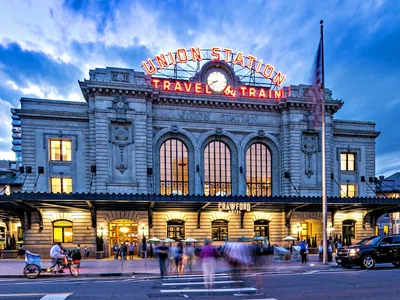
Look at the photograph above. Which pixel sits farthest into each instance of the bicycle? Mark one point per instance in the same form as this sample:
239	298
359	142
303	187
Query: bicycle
34	268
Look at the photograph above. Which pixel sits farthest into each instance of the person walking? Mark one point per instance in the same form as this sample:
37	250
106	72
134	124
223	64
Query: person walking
303	251
123	250
189	255
207	255
179	258
85	252
131	250
115	250
162	257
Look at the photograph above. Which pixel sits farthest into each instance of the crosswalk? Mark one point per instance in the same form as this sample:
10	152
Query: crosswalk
192	286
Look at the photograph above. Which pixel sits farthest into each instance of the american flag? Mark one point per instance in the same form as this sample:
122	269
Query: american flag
316	89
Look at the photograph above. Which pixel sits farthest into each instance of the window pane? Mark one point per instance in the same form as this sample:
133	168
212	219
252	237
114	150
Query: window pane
57	235
66	150
350	162
343	159
258	170
343	190
68	235
67	185
56	185
55	150
62	224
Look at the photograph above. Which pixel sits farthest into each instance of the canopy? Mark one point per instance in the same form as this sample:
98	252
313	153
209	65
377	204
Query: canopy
153	240
258	238
190	240
289	238
169	240
243	239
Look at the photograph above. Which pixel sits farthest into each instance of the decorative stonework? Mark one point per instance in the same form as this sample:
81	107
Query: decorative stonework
259	215
175	215
121	138
218	215
120	76
120	105
309	146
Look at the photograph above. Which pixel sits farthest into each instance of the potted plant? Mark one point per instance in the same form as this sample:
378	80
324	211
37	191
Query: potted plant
10	250
99	247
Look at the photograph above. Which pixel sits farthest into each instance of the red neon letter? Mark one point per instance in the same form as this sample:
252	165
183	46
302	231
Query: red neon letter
215	53
182	55
171	58
252	92
239	60
151	69
278	94
279	78
227	53
162	61
268	71
269	94
259	66
196	54
155	82
166	85
261	94
243	90
188	87
197	88
208	91
177	87
251	61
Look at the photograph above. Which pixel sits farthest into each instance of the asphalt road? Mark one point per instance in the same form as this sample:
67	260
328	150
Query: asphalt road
380	283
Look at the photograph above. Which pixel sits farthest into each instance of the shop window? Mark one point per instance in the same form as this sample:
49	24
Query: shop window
349	228
60	150
176	229
61	185
20	234
219	230
347	162
261	228
217	169
258	170
62	231
174	168
347	190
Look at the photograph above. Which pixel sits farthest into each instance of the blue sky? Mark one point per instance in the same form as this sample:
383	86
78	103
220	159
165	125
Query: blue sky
46	46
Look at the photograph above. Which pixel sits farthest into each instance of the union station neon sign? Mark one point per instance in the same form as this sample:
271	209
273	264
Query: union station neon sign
195	54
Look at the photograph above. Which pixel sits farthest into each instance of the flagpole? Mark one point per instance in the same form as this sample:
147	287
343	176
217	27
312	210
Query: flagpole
324	195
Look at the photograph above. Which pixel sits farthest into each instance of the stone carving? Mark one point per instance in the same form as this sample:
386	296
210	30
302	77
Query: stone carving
261	133
309	146
120	76
218	131
120	105
174	128
121	138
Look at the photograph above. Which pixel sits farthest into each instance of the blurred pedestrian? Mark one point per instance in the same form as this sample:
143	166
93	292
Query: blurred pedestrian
116	250
162	257
207	255
179	258
85	252
131	250
189	256
303	251
124	250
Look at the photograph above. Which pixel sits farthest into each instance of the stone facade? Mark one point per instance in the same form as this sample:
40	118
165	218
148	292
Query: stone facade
123	122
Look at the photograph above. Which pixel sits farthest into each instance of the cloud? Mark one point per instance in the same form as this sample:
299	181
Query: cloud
5	130
388	164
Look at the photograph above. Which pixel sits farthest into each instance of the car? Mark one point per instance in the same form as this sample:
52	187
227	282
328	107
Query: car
375	250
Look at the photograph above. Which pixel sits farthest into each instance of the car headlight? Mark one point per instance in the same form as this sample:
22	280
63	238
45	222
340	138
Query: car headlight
354	251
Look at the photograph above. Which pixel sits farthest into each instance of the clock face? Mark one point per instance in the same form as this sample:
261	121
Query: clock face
216	81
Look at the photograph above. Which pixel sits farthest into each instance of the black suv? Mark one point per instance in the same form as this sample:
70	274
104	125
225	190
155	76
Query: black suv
381	249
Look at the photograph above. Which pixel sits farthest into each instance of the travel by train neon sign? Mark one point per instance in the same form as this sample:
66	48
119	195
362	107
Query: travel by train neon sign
195	54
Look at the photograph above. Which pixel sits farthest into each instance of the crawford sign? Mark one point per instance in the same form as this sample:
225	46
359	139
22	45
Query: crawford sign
195	54
234	207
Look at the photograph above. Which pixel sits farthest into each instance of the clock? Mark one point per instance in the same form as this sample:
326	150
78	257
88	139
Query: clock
216	80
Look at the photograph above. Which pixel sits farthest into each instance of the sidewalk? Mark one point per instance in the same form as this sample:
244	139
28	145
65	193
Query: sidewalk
13	268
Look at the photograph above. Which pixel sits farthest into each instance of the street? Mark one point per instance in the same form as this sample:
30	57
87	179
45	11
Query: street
380	283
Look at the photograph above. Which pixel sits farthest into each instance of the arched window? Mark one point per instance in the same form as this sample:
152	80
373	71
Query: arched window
349	228
217	169
176	229
261	228
174	172
258	170
219	230
62	231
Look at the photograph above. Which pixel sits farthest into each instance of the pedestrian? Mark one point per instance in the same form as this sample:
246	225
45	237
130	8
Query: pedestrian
85	252
338	245
179	258
189	254
123	250
151	250
162	257
207	255
303	251
116	250
131	250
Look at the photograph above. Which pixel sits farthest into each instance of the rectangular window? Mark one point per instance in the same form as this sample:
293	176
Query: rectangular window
347	162
347	190
61	185
62	232
60	150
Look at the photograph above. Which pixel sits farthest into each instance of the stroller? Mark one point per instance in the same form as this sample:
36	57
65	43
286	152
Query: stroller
76	257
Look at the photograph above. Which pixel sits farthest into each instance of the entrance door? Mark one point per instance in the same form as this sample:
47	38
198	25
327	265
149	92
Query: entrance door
123	232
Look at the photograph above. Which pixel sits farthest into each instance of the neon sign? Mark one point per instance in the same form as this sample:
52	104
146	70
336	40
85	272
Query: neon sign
188	87
195	54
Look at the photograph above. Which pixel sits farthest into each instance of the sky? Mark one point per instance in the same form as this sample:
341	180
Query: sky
47	46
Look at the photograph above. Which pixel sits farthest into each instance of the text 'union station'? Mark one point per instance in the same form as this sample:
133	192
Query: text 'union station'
142	158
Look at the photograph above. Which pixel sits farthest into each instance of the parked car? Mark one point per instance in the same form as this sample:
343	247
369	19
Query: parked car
380	249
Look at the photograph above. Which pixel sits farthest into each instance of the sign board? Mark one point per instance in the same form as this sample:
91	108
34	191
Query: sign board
234	207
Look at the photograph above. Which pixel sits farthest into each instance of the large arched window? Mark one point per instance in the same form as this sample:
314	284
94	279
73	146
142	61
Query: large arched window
258	170
176	229
174	172
261	228
217	169
219	230
62	231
